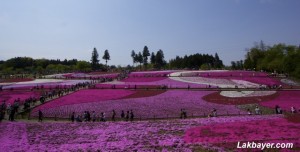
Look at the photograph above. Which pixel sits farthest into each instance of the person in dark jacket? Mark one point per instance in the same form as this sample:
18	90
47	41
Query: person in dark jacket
73	117
40	116
122	114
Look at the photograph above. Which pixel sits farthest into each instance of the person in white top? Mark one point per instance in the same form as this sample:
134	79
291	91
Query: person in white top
293	110
257	111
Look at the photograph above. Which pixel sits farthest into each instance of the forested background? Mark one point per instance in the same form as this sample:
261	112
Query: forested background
279	58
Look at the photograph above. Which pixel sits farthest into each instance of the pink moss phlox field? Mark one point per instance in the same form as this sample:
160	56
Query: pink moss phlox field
236	73
285	100
251	76
167	82
209	81
164	135
85	96
260	80
164	105
11	96
83	75
267	131
15	80
224	73
143	79
150	73
45	84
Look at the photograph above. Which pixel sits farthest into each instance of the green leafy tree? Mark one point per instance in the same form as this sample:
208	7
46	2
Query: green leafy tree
152	58
193	61
146	53
233	65
133	56
159	59
83	66
106	57
139	58
278	58
217	62
204	66
95	60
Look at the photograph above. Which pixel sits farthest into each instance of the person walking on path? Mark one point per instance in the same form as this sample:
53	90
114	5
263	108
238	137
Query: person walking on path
40	116
131	115
113	115
73	117
122	114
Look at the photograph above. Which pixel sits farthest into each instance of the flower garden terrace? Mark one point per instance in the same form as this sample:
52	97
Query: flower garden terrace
157	98
201	79
200	134
221	91
235	90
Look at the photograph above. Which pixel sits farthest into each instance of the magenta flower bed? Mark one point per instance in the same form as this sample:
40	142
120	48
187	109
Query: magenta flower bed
267	131
11	96
209	81
46	85
15	80
125	86
143	79
251	76
257	80
255	77
151	73
164	135
85	96
237	73
92	76
168	82
164	105
285	100
222	73
260	80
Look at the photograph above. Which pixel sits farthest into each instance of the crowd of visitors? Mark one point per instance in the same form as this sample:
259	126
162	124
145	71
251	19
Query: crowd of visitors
213	113
9	109
47	94
278	110
87	117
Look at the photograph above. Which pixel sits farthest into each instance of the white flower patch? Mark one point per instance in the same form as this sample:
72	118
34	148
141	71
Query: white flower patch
36	81
80	75
176	74
114	82
233	94
58	76
153	72
222	83
261	93
7	83
290	82
245	84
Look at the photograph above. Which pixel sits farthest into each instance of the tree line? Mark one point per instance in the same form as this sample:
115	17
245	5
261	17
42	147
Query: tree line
279	58
28	65
142	60
157	60
197	61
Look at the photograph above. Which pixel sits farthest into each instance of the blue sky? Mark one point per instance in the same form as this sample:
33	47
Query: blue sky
72	28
